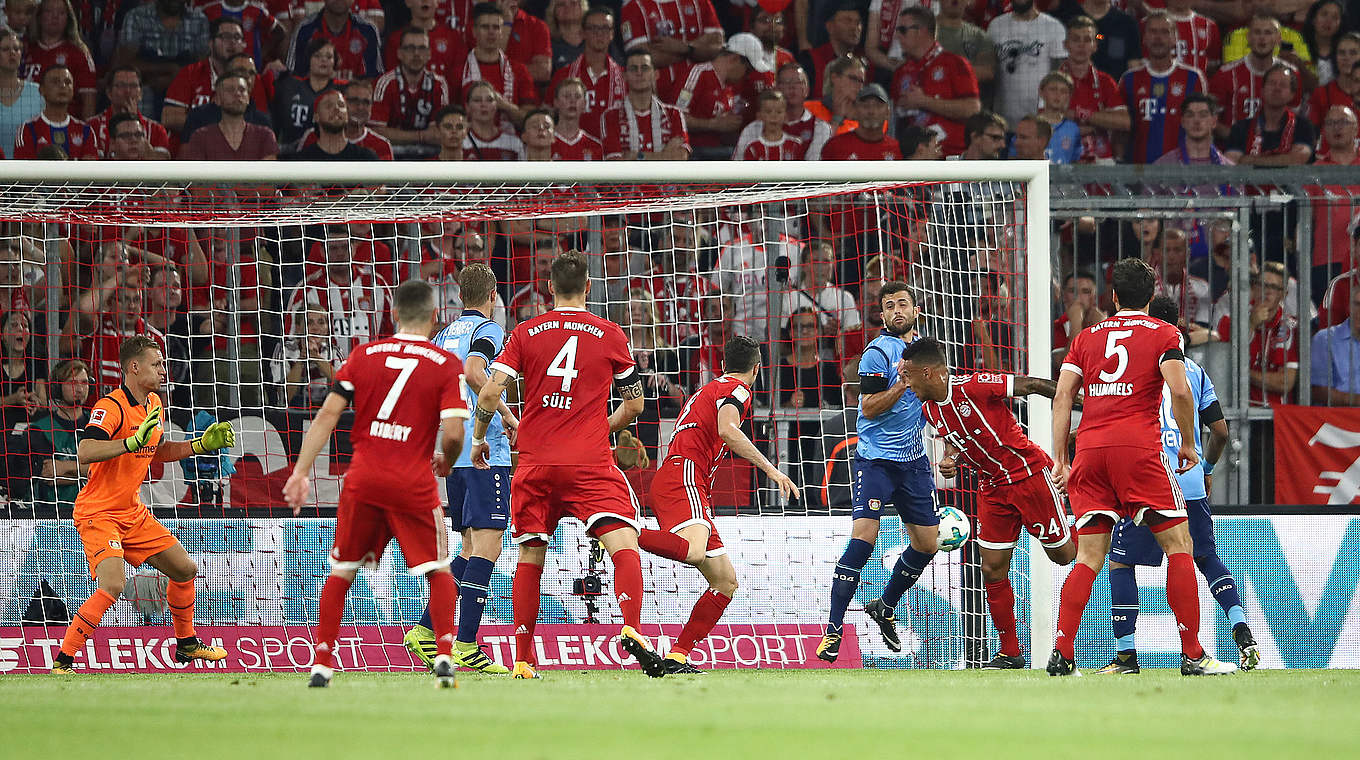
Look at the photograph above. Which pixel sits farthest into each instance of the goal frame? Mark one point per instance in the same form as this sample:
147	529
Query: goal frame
1034	174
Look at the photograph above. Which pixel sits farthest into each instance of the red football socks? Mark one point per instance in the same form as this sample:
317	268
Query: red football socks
1076	592
1182	595
179	596
524	591
442	593
86	620
628	585
664	544
1001	602
328	621
706	614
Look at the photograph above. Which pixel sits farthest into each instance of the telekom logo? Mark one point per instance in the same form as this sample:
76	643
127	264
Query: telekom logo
1347	484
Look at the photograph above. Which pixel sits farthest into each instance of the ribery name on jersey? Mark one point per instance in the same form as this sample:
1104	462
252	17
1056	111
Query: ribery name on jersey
390	431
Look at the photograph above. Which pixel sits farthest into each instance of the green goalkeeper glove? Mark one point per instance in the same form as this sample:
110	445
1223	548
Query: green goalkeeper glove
219	435
143	434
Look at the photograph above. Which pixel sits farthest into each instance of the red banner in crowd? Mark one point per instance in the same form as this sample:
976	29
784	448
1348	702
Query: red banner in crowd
1317	455
262	649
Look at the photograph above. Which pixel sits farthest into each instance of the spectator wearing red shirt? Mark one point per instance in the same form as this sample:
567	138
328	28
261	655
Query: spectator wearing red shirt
1197	41
845	30
330	143
448	46
868	141
1238	85
768	29
125	139
1080	310
1155	92
406	97
1097	107
125	97
1274	364
571	142
103	318
813	132
232	138
266	36
358	299
510	81
765	139
596	69
1276	135
1338	295
359	103
486	139
642	127
530	43
452	123
933	87
193	85
1345	88
56	126
677	33
55	38
709	99
358	46
537	135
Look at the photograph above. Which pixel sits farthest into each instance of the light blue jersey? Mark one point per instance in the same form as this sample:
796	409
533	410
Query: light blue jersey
1202	388
896	433
473	334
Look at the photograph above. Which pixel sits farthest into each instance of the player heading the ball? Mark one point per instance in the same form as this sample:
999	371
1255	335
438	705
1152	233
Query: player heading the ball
682	497
890	470
1120	469
972	414
404	389
119	444
570	360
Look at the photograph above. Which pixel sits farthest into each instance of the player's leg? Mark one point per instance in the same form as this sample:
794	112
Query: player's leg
485	548
1130	545
181	569
1222	585
1182	593
872	489
620	540
1093	543
914	498
419	641
996	580
524	601
361	536
679	501
708	609
109	580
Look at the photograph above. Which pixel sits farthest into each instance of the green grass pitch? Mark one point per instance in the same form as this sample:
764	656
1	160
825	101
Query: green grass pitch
768	714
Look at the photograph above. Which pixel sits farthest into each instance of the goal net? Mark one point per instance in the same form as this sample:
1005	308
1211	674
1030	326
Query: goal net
258	280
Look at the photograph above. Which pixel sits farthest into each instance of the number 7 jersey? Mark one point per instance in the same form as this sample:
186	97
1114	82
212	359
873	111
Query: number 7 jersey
570	360
1119	361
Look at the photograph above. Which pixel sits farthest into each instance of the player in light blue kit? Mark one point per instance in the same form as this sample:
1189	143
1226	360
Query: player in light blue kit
1135	545
479	500
890	470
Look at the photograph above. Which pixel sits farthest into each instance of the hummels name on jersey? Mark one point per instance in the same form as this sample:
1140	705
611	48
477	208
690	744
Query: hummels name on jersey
1109	389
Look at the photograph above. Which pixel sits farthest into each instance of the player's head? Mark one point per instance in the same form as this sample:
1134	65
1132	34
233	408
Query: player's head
741	356
143	363
899	307
1165	309
477	285
927	369
413	304
1134	283
570	276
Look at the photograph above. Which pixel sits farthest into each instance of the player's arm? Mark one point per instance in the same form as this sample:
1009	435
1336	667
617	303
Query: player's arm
729	429
630	388
488	400
97	446
451	438
876	396
1182	407
327	417
1063	399
1024	386
474	374
948	466
219	435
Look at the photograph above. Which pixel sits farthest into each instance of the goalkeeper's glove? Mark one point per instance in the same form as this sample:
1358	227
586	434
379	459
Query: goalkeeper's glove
219	435
143	434
630	454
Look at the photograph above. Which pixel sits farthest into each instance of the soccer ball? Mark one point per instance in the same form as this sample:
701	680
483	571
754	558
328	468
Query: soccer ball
954	529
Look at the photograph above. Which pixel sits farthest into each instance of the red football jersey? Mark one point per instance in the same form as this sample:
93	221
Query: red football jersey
696	430
617	129
38	57
529	37
583	147
448	48
193	86
401	104
939	74
1321	99
1238	89
360	310
604	89
257	22
73	136
156	134
1274	346
976	419
849	146
1093	91
789	148
102	347
643	21
401	388
1119	361
507	75
705	96
570	360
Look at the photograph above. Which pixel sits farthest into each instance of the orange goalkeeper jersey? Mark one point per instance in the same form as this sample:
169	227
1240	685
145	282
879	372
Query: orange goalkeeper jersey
113	485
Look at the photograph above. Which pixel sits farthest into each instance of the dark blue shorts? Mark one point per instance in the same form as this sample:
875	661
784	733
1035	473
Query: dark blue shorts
479	498
908	487
1135	545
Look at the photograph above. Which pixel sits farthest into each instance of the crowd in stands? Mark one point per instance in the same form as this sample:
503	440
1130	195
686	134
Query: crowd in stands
1220	82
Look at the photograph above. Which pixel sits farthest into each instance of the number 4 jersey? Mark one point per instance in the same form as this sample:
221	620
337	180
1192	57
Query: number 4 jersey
400	387
1119	361
570	360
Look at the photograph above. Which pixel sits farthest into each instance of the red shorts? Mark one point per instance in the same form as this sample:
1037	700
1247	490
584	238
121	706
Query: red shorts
1032	503
1121	481
363	529
680	498
541	495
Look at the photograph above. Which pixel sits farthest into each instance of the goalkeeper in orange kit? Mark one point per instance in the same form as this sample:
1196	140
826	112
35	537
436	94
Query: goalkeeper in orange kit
120	442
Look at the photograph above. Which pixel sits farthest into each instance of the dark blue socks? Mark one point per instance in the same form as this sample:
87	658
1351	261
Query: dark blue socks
846	578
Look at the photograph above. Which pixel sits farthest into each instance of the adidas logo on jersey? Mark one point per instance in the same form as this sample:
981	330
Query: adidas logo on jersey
521	629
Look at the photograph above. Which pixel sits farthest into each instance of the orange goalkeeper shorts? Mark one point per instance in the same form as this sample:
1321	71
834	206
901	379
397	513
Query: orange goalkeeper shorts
134	539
